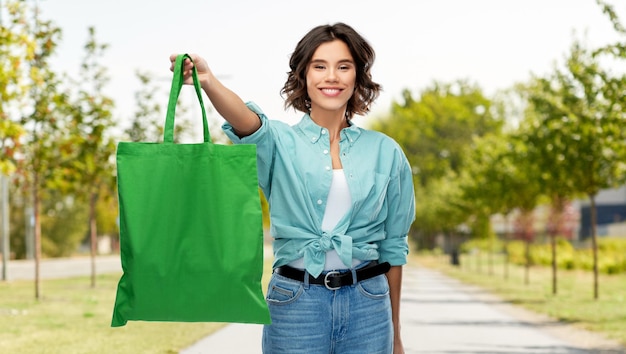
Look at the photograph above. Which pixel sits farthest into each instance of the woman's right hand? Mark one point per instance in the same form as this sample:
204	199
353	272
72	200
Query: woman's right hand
205	76
226	102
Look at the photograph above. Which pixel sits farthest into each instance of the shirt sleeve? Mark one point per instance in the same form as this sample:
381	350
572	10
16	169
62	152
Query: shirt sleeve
401	212
263	139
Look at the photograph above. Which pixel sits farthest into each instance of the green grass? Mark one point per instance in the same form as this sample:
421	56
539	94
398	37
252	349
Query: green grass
573	303
72	317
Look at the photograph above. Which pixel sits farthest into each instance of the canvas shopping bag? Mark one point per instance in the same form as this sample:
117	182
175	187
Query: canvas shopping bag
191	234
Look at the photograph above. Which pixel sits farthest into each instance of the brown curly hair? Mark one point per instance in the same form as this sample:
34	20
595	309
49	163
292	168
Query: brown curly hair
365	90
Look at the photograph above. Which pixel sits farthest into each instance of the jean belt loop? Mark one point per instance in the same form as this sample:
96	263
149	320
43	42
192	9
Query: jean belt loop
305	281
354	279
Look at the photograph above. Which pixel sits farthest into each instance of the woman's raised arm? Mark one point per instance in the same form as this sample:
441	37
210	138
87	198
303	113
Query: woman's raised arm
227	103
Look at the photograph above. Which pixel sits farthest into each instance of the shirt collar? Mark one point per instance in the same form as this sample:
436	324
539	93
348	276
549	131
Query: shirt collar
314	132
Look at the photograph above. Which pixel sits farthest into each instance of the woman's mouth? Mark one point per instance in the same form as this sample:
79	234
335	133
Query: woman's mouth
331	91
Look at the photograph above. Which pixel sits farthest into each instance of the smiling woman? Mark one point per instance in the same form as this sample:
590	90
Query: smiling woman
341	200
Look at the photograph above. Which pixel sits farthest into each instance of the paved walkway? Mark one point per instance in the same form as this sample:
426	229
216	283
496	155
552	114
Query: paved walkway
443	316
51	268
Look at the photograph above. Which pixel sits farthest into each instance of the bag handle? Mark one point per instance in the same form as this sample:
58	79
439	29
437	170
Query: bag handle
177	84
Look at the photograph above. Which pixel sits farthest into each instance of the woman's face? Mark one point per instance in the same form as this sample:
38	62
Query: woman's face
330	77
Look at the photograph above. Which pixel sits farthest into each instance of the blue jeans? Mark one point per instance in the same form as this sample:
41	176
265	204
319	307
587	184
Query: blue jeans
311	319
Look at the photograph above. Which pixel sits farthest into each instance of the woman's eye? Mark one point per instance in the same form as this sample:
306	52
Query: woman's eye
319	67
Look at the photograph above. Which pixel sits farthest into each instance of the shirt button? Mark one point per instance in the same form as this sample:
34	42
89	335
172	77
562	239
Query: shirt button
319	202
313	139
325	152
327	168
323	131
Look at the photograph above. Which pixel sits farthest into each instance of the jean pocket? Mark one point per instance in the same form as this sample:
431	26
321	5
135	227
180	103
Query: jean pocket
374	288
282	291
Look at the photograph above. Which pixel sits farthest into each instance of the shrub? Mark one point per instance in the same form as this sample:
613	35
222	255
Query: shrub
611	254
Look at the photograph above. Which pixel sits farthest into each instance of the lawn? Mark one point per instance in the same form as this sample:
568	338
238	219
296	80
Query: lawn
72	317
573	303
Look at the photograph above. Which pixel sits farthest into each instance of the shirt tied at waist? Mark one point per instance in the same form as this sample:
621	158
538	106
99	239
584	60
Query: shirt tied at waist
315	251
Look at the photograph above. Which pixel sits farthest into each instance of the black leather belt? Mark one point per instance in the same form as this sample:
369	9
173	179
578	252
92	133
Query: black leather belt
334	280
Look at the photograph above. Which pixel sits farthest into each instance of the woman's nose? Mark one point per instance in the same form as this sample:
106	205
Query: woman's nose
331	75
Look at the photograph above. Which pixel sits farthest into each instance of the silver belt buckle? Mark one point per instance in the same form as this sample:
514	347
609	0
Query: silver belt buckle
327	281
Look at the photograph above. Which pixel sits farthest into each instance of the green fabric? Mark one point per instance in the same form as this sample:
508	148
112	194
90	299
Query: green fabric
191	233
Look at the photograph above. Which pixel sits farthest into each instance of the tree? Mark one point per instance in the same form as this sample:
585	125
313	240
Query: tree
435	130
147	123
522	176
91	119
47	142
553	144
489	180
582	124
15	46
440	212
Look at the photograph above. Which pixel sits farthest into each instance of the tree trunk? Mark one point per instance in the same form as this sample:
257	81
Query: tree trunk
93	238
506	244
490	257
36	214
527	266
528	235
594	245
6	254
554	270
556	228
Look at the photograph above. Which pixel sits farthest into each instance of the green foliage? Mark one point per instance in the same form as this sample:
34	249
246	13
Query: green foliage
440	213
16	48
10	133
435	130
63	226
485	245
147	123
17	222
91	119
107	211
498	178
610	12
570	112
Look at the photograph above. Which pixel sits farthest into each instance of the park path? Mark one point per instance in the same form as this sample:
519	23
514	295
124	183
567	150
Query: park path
51	268
440	315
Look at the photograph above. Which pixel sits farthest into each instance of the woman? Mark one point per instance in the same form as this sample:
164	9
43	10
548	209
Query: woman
341	200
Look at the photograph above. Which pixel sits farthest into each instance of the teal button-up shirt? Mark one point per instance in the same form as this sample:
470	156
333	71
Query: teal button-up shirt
295	173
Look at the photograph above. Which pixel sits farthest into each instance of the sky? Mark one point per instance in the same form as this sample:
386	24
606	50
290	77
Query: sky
247	43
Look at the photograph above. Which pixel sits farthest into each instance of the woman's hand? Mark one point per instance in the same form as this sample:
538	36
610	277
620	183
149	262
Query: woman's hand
398	347
205	76
227	103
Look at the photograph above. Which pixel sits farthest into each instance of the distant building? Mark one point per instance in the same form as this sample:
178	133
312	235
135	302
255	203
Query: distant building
611	214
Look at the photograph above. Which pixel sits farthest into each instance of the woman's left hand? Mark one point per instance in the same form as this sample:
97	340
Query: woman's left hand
398	347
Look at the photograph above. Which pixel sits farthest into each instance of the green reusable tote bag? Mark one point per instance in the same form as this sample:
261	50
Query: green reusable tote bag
191	236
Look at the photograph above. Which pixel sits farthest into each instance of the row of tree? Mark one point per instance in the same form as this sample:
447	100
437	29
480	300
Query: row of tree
57	140
549	140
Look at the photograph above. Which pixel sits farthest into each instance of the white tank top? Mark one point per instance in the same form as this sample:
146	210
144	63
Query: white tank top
337	205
